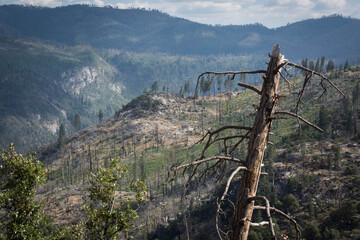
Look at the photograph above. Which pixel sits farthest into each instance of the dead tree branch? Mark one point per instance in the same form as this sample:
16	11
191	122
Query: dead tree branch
287	81
218	211
225	73
315	73
258	138
198	162
255	89
268	215
300	118
263	223
210	140
298	232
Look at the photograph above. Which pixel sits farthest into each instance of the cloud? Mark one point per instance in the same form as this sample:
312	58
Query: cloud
99	3
330	4
47	3
271	13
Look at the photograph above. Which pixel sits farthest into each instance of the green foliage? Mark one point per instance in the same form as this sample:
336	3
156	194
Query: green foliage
322	64
347	65
356	94
304	63
72	232
317	65
187	87
324	119
35	90
77	122
254	236
154	87
62	136
331	234
108	214
330	66
290	203
100	115
311	65
352	169
312	232
19	176
344	217
336	150
143	102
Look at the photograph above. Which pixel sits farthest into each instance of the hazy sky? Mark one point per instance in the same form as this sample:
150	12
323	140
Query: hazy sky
271	13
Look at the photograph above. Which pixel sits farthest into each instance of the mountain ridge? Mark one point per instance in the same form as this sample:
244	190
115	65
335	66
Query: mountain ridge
141	30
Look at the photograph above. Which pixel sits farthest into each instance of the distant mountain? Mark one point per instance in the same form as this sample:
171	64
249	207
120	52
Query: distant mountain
56	62
42	86
140	30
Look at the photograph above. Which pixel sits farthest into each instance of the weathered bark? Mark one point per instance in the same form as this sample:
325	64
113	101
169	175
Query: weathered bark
241	219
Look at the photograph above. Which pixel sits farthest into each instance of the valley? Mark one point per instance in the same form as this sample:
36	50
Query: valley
83	85
155	131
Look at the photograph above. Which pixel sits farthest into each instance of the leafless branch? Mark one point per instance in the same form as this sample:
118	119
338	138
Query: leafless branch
300	118
239	142
287	81
223	198
267	208
315	73
225	73
298	237
216	132
251	87
263	223
229	181
221	158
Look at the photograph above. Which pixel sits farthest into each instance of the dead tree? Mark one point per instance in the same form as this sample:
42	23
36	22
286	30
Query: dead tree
257	137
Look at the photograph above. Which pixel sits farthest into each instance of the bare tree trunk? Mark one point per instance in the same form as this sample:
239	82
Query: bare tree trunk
90	160
241	219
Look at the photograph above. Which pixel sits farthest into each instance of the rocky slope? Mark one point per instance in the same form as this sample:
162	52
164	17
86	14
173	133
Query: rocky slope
42	86
321	171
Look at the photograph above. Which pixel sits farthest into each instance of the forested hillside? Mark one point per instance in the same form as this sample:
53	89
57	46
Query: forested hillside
140	30
77	60
43	86
107	98
312	176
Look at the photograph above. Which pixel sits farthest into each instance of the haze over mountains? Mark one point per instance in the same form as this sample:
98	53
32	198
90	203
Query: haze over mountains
56	62
140	30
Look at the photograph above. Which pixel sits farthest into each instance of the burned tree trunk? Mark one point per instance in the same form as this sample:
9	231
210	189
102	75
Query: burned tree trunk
241	219
258	138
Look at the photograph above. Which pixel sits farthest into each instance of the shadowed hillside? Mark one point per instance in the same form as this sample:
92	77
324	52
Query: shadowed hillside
141	30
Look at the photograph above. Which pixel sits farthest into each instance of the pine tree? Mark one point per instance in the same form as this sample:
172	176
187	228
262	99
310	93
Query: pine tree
323	118
62	136
77	122
100	115
311	65
317	65
154	87
181	92
187	87
330	66
304	62
347	65
322	64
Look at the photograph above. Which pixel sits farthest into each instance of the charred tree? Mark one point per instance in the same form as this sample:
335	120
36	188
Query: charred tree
257	137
